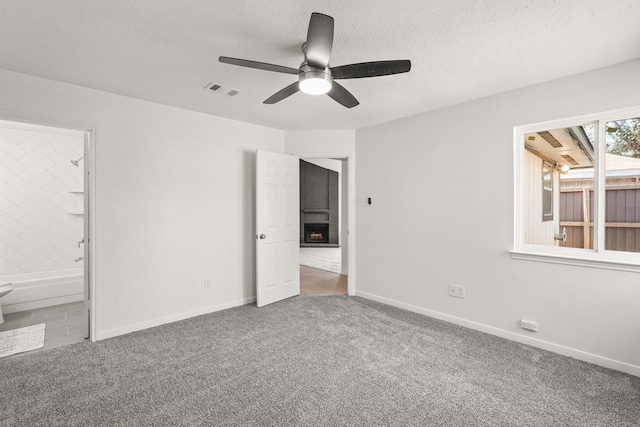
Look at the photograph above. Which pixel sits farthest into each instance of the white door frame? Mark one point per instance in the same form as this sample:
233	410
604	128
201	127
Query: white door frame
350	158
90	216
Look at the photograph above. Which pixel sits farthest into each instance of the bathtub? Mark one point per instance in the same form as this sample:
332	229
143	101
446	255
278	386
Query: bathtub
43	289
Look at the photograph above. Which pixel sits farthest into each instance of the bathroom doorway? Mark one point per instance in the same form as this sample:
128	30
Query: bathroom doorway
44	228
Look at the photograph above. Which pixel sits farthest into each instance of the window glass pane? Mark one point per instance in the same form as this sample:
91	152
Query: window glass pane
547	191
622	182
558	187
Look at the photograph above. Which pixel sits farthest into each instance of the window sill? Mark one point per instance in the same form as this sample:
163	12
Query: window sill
582	261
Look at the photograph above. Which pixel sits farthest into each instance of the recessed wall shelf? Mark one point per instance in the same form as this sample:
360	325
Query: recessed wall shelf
76	212
76	191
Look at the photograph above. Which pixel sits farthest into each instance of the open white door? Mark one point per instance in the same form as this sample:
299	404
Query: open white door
277	227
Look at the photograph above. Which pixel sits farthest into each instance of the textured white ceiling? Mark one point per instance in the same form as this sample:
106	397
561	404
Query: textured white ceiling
167	51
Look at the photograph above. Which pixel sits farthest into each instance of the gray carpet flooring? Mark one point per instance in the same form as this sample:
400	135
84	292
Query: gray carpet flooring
307	361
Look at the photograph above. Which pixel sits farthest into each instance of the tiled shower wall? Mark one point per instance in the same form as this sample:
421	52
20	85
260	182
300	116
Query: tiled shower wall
41	200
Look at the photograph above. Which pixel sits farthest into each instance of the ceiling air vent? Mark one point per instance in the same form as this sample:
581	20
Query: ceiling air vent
546	135
222	90
569	159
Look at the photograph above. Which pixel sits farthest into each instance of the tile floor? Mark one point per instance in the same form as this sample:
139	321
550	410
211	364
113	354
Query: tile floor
328	259
64	323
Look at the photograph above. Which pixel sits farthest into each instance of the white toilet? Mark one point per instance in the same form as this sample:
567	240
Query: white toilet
5	288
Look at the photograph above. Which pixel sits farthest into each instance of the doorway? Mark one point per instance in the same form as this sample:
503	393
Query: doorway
44	207
324	201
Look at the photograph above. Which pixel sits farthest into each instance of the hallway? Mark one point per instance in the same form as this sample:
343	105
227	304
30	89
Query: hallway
320	282
320	270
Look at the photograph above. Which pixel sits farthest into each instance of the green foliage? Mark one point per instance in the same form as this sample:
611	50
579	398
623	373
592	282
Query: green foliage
623	138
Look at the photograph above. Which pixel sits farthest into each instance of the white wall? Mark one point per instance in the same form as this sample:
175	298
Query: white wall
537	231
320	143
174	196
447	190
333	165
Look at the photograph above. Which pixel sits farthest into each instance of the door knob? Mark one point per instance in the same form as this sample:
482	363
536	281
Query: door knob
263	236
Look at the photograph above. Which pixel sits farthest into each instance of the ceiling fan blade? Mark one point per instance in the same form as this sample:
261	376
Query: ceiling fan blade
319	40
282	94
259	65
370	69
339	94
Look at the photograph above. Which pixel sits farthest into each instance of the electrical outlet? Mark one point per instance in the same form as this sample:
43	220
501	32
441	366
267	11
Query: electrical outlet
207	283
456	291
453	290
529	325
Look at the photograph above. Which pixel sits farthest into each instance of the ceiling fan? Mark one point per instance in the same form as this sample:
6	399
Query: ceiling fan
315	76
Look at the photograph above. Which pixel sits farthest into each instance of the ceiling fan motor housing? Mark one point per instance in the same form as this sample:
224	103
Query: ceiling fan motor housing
314	81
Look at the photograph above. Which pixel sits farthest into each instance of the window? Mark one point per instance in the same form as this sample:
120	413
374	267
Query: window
547	191
577	199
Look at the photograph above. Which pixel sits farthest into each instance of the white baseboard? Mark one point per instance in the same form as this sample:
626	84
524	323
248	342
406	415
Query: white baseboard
545	345
110	333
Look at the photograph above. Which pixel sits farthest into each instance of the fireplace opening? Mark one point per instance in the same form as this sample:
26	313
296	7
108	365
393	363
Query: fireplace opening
316	233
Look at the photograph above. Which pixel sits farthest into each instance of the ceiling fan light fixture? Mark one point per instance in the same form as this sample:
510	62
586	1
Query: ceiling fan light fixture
315	86
314	81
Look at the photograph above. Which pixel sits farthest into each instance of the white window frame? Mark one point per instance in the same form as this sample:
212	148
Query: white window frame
597	257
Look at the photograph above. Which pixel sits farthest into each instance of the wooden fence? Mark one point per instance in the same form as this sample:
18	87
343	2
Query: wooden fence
622	218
